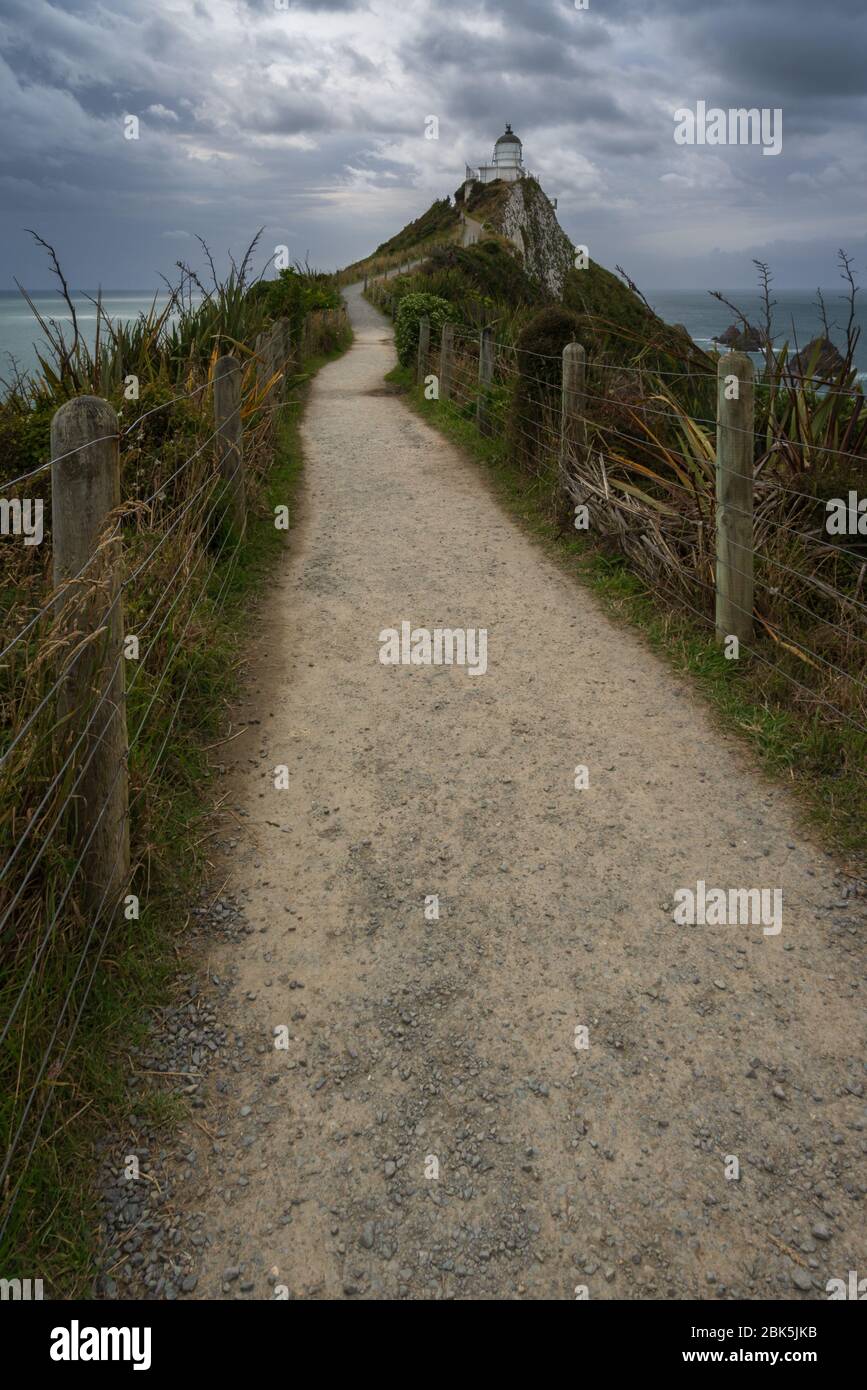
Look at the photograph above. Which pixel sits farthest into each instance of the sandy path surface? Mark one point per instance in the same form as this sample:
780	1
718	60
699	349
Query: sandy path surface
418	1046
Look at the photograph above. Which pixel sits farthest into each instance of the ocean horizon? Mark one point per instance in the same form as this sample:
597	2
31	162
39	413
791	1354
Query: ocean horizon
21	336
796	317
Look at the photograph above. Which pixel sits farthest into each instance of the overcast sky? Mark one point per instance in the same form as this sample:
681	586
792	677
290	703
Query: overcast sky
308	116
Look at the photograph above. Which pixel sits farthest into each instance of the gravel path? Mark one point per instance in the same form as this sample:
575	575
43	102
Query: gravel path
418	1046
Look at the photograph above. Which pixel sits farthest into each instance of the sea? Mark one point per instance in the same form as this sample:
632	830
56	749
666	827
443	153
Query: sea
795	316
21	338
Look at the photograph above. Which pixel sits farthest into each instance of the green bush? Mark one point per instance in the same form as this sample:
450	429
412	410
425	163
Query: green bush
487	269
296	292
412	309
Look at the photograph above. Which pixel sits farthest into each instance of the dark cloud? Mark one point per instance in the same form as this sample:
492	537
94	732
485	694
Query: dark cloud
310	119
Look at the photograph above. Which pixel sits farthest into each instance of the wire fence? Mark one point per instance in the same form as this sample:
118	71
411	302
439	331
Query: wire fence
99	659
699	505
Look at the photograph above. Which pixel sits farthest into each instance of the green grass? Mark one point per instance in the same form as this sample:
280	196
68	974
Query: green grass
822	763
53	1233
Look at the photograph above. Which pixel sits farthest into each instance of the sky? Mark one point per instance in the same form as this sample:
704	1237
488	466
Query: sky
309	117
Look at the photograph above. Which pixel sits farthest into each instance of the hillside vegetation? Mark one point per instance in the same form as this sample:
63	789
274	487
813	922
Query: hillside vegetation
502	278
439	225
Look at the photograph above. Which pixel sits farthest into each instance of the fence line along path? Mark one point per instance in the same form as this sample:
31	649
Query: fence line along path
69	879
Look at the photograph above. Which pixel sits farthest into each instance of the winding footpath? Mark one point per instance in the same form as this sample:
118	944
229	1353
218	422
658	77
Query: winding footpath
430	1123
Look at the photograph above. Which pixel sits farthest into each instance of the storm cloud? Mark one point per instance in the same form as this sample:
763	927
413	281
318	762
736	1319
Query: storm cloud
308	117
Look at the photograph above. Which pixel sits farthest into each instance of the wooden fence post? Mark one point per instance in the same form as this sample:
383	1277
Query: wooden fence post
573	426
423	350
734	497
486	377
260	347
275	362
85	491
230	442
272	365
282	354
447	343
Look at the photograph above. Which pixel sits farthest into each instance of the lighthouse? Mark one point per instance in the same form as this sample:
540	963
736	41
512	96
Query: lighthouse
507	161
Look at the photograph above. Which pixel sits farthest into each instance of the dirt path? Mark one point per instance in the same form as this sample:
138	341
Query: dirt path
472	231
412	1040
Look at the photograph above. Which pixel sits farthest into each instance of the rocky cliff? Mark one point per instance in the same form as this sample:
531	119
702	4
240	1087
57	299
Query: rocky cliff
525	216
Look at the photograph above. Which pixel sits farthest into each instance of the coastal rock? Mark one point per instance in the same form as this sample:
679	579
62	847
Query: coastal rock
741	338
820	358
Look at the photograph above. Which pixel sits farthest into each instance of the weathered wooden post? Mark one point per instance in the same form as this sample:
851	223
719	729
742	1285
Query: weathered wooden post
283	354
734	497
365	284
85	492
275	347
486	377
260	347
275	362
272	356
230	442
423	350
447	358
573	426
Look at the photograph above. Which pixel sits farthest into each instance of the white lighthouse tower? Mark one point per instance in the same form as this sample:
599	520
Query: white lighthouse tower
507	161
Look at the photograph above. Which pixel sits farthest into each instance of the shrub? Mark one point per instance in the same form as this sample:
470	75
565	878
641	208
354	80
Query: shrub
412	309
295	293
